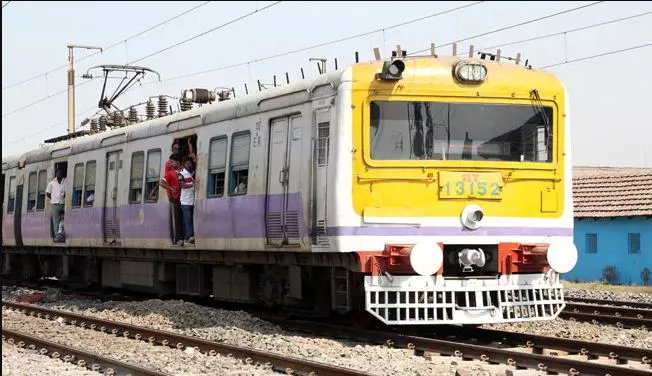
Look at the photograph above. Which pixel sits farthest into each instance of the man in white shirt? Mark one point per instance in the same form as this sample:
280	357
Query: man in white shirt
56	192
188	200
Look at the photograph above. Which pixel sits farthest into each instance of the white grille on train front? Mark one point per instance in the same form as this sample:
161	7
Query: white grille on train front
414	300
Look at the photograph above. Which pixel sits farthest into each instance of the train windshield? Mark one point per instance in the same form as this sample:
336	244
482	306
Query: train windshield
411	130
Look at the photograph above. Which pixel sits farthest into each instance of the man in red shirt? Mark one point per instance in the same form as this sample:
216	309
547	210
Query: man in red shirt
176	149
171	182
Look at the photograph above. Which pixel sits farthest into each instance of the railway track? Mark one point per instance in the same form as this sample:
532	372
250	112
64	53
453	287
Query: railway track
91	361
620	303
618	313
639	313
277	362
526	350
515	349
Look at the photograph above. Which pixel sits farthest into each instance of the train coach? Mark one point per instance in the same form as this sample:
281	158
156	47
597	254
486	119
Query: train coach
416	190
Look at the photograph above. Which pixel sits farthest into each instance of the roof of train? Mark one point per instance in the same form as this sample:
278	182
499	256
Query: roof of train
206	114
252	103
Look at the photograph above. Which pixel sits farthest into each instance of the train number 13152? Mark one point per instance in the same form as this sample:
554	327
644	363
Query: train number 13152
465	185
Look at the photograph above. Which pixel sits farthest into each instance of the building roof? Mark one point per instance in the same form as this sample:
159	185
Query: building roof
612	192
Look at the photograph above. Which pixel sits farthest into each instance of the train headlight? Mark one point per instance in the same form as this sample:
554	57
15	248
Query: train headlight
392	70
471	216
470	72
426	258
470	257
562	257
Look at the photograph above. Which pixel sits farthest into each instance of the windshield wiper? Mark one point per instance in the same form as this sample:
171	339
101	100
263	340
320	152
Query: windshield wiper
537	105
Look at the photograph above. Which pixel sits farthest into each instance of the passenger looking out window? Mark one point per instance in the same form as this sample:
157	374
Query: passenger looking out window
239	164
89	184
56	192
171	182
188	200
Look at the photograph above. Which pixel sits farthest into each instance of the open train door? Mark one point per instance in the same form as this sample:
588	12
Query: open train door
2	201
18	210
111	218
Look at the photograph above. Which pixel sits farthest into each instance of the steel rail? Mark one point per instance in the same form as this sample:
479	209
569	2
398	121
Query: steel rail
94	362
610	302
270	360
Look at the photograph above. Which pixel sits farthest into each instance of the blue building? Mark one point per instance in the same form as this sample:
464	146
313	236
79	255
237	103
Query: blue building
613	224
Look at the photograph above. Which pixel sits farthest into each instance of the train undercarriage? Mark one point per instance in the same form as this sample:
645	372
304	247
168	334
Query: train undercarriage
310	284
306	284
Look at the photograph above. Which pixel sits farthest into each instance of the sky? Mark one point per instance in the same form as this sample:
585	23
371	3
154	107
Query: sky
609	95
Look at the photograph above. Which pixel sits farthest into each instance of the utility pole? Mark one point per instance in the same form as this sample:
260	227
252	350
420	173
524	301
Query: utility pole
71	85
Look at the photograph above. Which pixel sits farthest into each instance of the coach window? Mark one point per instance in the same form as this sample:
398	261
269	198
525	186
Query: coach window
12	195
153	175
77	185
42	184
217	167
89	184
136	183
31	192
238	178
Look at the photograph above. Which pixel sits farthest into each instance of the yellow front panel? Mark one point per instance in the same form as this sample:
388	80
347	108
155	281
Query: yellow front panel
436	188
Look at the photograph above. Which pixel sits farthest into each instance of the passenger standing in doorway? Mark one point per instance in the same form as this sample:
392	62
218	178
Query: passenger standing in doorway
56	192
188	200
171	182
176	148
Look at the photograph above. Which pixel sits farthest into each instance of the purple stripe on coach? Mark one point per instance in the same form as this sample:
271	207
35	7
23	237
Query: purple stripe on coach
155	221
83	223
36	225
231	217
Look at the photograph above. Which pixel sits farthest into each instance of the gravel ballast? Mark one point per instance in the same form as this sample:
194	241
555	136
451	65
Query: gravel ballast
159	358
23	362
242	329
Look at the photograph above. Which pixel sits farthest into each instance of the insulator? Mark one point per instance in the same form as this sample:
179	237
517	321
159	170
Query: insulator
133	114
117	119
162	106
94	125
223	95
198	95
150	110
103	123
185	106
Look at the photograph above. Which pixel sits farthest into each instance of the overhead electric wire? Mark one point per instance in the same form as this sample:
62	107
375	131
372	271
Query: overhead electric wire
47	129
405	23
326	43
512	26
206	32
560	32
150	55
43	99
109	47
64	121
598	55
383	29
5	4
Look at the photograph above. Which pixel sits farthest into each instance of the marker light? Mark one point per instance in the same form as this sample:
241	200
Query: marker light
392	70
470	72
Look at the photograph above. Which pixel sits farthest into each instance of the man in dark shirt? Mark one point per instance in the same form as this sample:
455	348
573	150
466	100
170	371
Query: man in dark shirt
172	182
